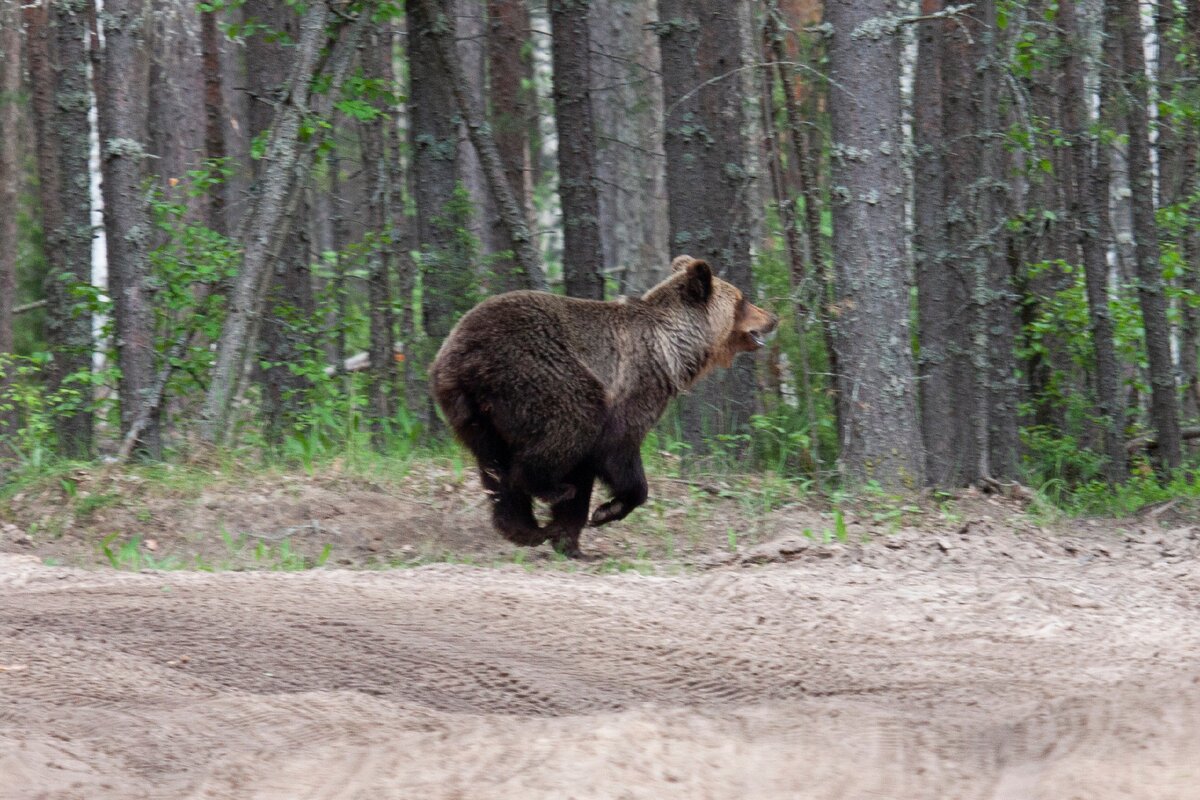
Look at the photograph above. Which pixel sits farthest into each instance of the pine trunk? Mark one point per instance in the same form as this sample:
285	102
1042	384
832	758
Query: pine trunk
215	113
1086	186
1164	402
942	290
511	107
57	50
630	167
709	186
433	133
177	83
583	254
881	439
376	160
11	85
123	105
1189	244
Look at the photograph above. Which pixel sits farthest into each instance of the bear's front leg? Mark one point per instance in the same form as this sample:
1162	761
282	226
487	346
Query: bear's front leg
622	471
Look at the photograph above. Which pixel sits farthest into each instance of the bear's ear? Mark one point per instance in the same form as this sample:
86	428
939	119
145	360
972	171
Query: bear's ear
680	263
697	286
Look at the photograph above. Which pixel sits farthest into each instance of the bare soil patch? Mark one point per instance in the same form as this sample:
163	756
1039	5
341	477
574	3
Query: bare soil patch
965	655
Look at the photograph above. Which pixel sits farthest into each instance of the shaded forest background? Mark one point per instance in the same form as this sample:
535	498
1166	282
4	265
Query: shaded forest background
250	224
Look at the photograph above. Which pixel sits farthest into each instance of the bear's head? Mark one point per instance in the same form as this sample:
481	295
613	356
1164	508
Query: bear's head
731	323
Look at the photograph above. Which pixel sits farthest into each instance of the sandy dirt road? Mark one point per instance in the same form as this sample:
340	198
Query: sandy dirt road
1008	669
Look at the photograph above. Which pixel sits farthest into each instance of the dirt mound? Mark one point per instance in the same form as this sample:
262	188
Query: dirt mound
959	665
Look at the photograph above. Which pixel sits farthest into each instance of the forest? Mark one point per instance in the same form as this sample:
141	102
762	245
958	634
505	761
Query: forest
935	535
249	225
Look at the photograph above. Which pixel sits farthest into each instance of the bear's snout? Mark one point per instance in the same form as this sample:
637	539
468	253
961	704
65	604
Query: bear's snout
759	325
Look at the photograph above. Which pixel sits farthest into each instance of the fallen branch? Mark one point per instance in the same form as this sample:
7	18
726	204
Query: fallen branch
21	309
159	390
1150	440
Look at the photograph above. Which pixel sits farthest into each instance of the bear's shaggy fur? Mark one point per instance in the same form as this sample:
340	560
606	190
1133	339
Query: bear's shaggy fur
552	392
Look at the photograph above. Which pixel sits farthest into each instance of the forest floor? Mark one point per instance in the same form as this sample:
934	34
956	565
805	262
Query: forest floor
728	641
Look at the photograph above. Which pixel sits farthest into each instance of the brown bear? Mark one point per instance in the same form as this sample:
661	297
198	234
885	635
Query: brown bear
552	392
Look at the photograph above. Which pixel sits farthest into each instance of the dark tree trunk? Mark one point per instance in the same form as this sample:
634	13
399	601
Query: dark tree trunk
583	253
630	166
215	113
470	28
798	259
177	84
1050	236
1086	184
123	106
967	326
376	162
942	292
1189	168
817	296
804	163
709	186
284	334
58	74
996	333
511	107
1164	402
433	136
881	438
11	67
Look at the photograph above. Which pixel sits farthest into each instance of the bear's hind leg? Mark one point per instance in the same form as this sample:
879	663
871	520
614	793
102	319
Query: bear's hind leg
512	509
512	516
569	515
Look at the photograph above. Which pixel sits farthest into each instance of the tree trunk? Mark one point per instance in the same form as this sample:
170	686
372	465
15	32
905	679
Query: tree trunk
57	52
431	36
376	161
996	331
798	259
709	186
177	84
817	296
583	253
1050	236
11	86
511	107
123	106
470	28
942	292
1189	244
433	133
1086	186
215	113
876	382
1164	402
630	165
288	160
